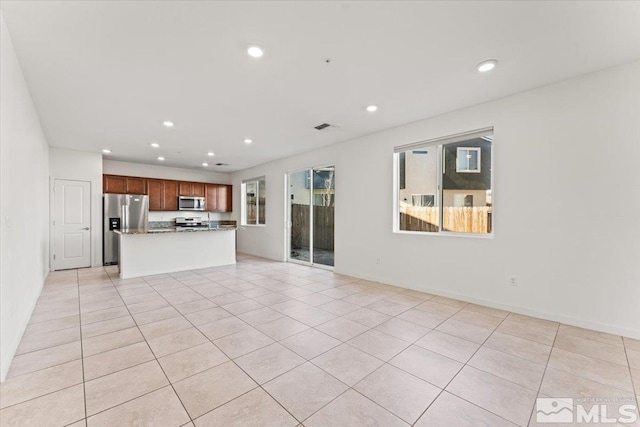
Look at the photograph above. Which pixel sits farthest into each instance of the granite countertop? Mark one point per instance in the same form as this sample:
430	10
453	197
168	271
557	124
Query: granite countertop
175	230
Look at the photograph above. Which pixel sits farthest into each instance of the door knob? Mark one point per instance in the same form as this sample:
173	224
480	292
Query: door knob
86	228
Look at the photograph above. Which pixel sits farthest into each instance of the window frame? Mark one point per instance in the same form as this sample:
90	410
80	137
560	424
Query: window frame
469	149
243	205
422	198
438	144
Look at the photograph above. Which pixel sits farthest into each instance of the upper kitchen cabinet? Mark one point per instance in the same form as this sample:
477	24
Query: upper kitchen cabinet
170	195
163	195
219	198
212	197
136	185
114	184
194	189
124	184
198	189
225	201
156	194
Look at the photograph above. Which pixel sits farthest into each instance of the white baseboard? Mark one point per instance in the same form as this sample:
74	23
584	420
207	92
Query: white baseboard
6	362
259	255
555	317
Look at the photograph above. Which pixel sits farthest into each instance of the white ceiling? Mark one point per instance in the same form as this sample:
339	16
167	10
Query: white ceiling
106	74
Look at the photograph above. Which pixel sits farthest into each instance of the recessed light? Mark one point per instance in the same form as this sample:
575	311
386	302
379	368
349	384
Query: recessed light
155	145
248	141
161	158
168	124
255	51
211	154
372	108
106	151
488	65
205	164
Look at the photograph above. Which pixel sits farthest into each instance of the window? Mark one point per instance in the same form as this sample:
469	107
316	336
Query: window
445	185
468	159
253	203
423	200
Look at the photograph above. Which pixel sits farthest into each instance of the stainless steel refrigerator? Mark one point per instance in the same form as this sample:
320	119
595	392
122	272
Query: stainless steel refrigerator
121	212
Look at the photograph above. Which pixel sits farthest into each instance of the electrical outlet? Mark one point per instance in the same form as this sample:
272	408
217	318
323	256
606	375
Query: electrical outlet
513	280
377	260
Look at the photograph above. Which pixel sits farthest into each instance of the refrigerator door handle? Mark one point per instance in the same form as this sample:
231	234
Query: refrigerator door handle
125	223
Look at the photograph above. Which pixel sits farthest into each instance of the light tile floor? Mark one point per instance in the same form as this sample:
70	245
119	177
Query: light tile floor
263	343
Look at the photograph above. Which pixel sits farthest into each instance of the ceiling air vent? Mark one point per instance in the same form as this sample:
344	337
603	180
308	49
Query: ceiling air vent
322	126
222	164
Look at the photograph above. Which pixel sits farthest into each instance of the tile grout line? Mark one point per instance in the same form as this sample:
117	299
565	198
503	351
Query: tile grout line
443	389
636	389
337	316
155	358
279	375
544	373
258	385
314	327
84	386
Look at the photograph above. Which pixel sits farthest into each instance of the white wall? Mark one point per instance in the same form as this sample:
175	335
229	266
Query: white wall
24	203
566	200
81	166
163	172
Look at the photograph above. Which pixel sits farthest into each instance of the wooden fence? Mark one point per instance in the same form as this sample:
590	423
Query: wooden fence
461	219
323	226
251	213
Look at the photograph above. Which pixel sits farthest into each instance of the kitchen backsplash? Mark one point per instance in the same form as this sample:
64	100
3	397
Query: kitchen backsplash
168	224
155	216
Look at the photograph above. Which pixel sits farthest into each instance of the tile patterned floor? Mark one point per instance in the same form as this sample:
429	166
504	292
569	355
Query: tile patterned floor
263	343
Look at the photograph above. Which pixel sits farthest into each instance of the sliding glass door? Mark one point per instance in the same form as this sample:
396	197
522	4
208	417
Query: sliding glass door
299	216
311	215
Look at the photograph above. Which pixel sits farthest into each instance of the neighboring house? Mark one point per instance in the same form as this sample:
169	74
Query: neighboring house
466	175
323	187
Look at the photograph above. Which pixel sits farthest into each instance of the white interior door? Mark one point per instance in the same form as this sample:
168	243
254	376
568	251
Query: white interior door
72	224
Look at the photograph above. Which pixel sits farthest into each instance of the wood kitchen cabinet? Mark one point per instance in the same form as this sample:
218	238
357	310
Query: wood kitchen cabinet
184	189
219	197
225	198
156	194
194	189
114	184
124	184
198	189
163	193
212	197
170	196
135	185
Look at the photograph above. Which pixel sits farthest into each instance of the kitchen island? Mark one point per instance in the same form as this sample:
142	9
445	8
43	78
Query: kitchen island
157	251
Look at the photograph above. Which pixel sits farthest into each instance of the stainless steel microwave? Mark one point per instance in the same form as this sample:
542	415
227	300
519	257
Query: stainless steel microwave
191	203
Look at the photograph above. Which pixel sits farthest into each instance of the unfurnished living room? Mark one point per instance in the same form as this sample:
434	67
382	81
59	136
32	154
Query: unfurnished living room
319	213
